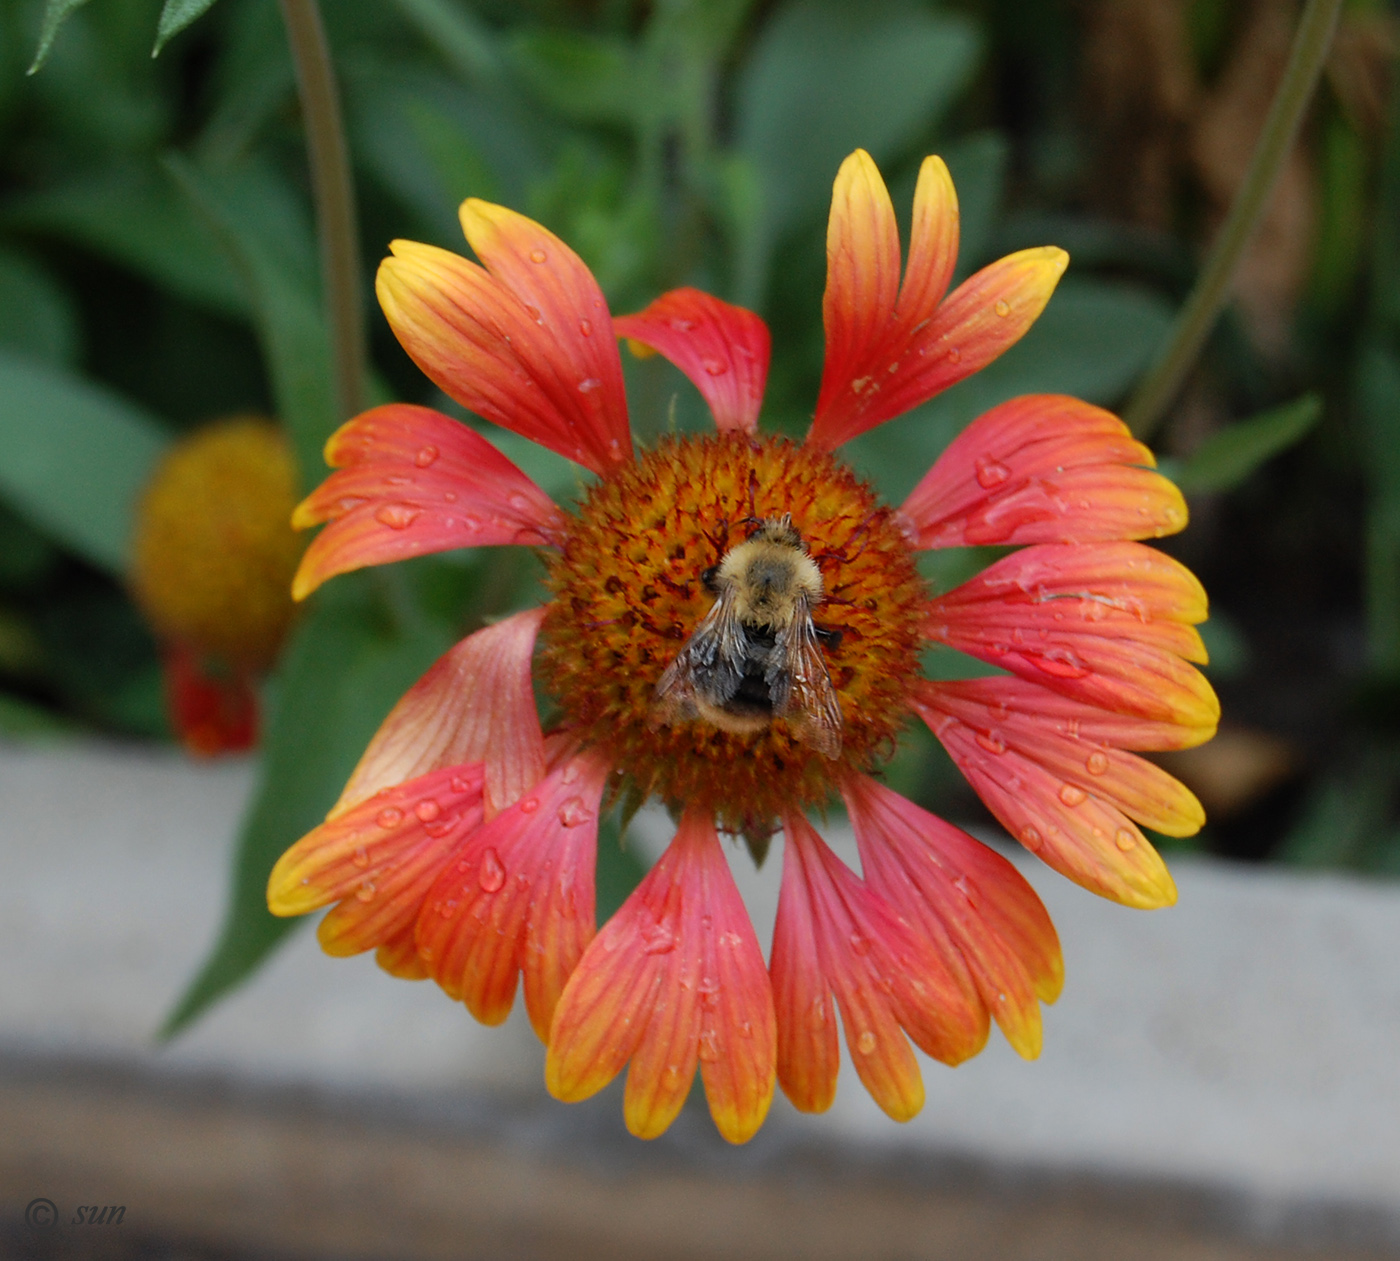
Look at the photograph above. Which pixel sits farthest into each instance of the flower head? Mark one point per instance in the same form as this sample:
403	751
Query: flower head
734	626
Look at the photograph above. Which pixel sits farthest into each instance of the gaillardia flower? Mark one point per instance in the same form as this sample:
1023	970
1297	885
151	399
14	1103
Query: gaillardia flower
734	627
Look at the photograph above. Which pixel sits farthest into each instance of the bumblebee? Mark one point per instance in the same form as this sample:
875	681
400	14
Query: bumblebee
756	655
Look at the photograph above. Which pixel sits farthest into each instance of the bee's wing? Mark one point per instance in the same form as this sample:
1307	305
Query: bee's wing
808	701
710	665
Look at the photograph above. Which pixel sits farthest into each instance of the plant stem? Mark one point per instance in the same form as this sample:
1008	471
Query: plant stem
331	185
1159	388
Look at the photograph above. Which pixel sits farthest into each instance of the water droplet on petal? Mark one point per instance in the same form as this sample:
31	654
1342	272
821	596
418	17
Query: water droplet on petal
461	784
569	774
427	809
492	873
682	325
816	1017
426	456
470	522
715	367
860	944
534	313
389	817
397	516
746	1029
865	1044
449	496
1030	838
954	354
360	857
521	503
1124	839
529	805
659	941
537	256
365	892
1002	308
1072	794
708	990
992	742
586	327
574	812
588	385
709	1046
991	472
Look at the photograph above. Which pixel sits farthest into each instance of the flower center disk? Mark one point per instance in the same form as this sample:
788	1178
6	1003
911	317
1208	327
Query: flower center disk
629	592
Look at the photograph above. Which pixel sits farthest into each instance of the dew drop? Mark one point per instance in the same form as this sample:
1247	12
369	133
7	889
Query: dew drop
588	385
1124	839
534	313
361	857
865	1044
521	503
683	325
348	502
991	472
860	944
397	516
449	496
715	367
659	941
529	805
492	873
427	809
992	742
442	827
1072	794
460	784
1003	307
426	456
746	1029
537	256
1096	763
470	522
447	908
709	1046
569	774
574	812
389	817
1030	838
708	990
816	1017
586	327
366	891
954	354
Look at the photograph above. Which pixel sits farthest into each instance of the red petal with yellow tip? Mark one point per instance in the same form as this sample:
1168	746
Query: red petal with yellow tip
1107	624
475	704
1062	738
525	342
888	348
951	886
414	481
885	977
1043	468
377	859
674	979
518	899
722	348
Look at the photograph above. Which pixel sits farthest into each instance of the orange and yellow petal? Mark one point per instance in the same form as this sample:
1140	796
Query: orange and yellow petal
890	348
950	885
378	859
413	481
518	899
722	348
674	979
1043	468
475	704
835	937
525	342
1107	624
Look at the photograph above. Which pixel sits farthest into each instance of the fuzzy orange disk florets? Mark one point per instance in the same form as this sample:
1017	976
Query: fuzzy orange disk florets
629	592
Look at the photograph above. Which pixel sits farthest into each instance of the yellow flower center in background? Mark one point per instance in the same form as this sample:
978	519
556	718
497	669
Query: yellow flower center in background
629	592
213	550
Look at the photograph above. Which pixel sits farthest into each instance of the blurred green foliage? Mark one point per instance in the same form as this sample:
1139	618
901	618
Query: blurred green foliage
158	268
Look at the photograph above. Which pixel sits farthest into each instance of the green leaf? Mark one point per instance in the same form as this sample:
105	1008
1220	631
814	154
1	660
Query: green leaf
248	214
36	316
826	78
343	671
590	78
464	43
1092	341
1227	458
56	13
76	458
175	16
21	720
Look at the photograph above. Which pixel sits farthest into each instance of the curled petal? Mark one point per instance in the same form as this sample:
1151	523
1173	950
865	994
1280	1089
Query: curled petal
414	481
723	349
886	978
1107	624
377	859
1043	468
888	348
675	978
475	704
951	886
1060	735
525	342
518	899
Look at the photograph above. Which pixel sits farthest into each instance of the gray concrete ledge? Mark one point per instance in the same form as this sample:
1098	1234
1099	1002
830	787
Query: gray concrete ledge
1222	1076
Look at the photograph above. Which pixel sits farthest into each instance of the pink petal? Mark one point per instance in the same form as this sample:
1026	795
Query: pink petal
1043	468
723	349
475	704
414	481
